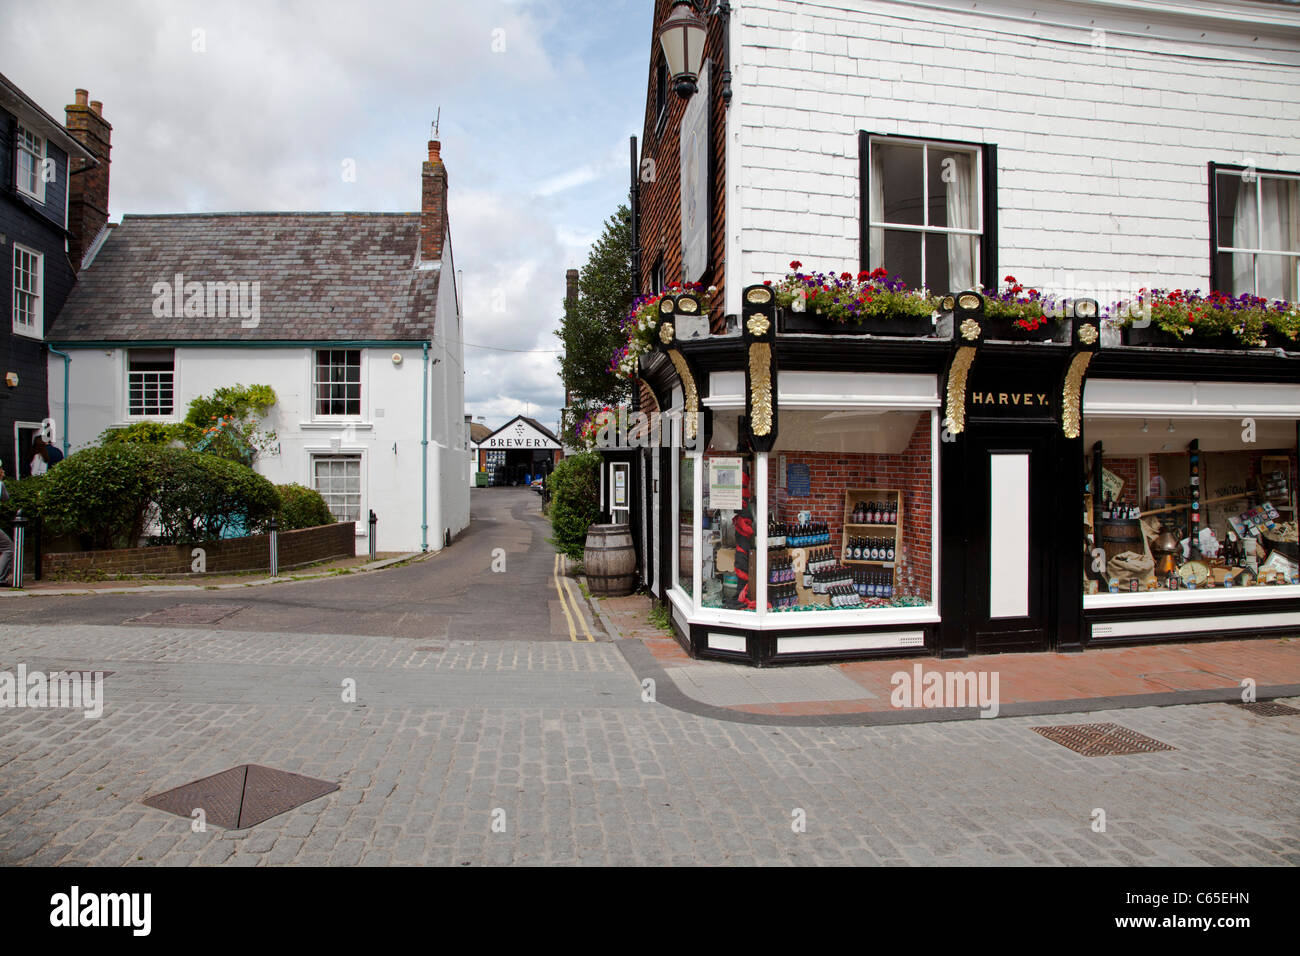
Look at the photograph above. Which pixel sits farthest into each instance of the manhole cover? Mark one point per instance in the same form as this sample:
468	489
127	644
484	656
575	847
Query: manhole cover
1101	740
1267	708
188	614
242	796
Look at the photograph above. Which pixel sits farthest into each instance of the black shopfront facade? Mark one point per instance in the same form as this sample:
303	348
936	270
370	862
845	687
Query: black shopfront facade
966	460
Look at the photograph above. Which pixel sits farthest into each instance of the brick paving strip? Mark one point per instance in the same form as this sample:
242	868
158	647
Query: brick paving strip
1029	684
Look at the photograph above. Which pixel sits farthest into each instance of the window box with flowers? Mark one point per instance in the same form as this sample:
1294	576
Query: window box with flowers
1017	314
872	304
1186	319
642	321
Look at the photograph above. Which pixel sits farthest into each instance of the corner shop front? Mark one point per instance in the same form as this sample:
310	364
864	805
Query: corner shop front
981	454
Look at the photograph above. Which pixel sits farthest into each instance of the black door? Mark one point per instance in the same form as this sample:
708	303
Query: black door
1011	549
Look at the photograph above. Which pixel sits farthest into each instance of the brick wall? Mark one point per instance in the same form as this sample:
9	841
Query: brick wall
1104	119
660	202
297	548
833	472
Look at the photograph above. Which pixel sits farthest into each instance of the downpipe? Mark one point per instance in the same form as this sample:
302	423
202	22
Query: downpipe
424	455
67	368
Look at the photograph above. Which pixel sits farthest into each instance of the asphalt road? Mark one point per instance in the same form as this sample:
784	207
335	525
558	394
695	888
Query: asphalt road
454	595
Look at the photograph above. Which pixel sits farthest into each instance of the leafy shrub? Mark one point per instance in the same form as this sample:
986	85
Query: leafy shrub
142	433
24	493
198	497
575	501
302	508
108	495
101	494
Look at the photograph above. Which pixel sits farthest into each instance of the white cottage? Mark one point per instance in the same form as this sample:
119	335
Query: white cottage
353	319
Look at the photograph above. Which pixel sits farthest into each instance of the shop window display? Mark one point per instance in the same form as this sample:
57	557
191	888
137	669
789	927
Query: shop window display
1188	504
849	505
728	532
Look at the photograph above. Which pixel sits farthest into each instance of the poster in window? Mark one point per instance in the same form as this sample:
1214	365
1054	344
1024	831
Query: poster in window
725	476
798	480
620	488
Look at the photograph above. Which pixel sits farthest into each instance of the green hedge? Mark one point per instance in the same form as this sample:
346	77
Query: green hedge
302	507
106	496
574	488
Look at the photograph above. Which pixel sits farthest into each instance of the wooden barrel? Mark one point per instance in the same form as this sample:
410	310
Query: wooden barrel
610	560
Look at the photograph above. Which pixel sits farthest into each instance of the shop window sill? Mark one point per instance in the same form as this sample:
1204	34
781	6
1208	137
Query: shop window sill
1263	592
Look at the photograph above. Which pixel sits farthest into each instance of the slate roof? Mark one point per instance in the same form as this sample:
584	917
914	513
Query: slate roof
334	276
478	431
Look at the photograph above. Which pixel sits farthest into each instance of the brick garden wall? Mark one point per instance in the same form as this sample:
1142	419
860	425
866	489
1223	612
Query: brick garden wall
297	548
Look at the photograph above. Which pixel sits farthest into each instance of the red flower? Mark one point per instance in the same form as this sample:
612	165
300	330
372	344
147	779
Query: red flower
767	282
796	265
863	276
879	273
845	277
1010	279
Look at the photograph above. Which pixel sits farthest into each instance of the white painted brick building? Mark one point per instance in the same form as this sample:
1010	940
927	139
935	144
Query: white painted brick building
1104	117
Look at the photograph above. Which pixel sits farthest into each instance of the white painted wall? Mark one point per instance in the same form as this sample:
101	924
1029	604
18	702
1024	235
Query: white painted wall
1105	116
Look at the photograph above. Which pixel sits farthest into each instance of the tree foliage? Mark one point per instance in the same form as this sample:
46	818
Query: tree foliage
575	501
227	423
590	330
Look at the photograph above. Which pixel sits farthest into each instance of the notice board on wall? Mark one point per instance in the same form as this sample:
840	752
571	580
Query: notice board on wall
798	480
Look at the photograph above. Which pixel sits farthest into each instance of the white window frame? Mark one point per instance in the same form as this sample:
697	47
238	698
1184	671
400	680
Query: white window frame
37	329
21	135
315	454
978	154
819	391
131	416
362	384
1258	250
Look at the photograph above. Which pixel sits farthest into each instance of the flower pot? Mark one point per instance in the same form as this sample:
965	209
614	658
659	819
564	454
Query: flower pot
1276	340
910	326
1153	335
693	326
1004	329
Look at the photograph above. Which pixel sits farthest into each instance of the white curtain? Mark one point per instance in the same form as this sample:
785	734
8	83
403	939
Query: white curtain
1281	231
876	211
961	215
1244	236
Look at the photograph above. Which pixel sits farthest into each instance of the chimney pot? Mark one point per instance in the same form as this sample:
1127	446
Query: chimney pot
435	151
97	107
81	97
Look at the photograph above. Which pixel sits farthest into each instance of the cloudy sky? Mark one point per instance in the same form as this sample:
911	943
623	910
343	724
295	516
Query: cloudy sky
258	105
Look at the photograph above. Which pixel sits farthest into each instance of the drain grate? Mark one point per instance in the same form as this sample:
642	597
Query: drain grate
1267	708
181	614
1101	740
242	796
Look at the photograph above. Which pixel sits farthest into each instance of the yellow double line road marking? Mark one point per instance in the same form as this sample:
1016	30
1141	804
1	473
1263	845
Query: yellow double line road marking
564	586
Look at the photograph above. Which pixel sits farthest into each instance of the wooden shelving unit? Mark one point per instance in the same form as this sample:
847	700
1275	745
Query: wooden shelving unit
851	529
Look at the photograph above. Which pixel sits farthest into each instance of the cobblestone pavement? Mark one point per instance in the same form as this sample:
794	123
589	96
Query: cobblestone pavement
553	742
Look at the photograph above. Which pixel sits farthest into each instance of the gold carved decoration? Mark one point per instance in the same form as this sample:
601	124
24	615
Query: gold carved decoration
955	421
760	386
666	333
757	324
1070	398
1088	334
690	397
970	330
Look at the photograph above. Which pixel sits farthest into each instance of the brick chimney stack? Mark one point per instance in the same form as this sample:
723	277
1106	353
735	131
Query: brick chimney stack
433	205
571	287
87	182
